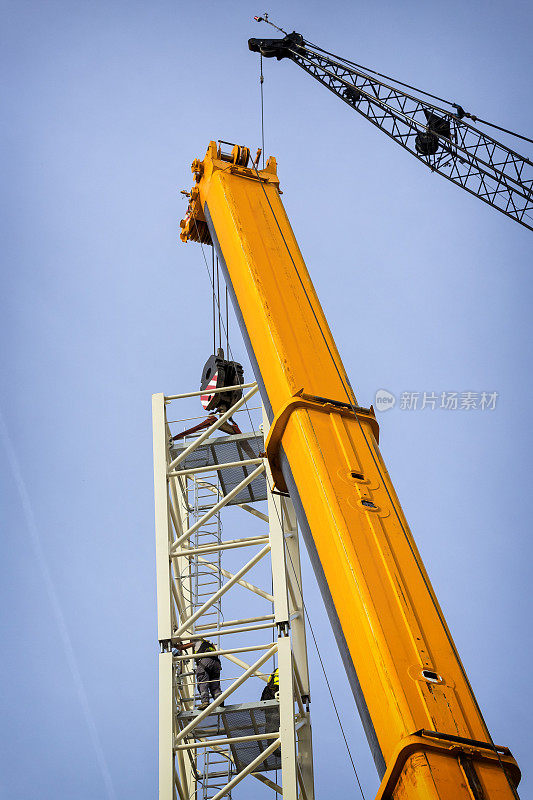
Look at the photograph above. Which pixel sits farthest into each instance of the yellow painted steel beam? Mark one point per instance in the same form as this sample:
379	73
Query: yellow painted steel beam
403	667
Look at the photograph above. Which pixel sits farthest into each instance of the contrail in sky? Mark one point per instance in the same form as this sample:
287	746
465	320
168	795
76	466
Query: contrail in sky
56	607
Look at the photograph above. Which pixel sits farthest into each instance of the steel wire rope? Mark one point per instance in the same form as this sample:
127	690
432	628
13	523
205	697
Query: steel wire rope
261	81
387	77
521	188
498	127
382	75
408	117
457	106
376	464
227	321
214	310
271	487
226	328
218	306
218	303
466	157
420	91
220	317
305	609
354	64
265	18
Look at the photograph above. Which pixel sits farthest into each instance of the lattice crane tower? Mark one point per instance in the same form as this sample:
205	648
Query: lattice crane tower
217	519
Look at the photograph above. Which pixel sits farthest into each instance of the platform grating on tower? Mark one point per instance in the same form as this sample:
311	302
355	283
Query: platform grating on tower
250	719
225	450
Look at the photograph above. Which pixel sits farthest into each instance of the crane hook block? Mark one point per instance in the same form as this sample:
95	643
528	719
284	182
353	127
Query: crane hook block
217	374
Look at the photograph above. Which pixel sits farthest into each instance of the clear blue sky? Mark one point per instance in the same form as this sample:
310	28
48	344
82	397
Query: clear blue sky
426	289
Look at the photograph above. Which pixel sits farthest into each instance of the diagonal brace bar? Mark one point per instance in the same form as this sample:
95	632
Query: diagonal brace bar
226	693
246	771
216	508
207	433
245	584
223	589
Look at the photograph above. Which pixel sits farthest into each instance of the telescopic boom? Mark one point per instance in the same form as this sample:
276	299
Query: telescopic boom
425	728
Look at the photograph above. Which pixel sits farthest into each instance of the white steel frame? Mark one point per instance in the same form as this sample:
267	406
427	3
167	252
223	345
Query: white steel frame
177	621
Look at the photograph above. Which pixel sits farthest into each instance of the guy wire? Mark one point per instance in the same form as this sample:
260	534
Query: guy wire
212	280
227	323
261	81
214	302
420	91
218	305
376	464
333	703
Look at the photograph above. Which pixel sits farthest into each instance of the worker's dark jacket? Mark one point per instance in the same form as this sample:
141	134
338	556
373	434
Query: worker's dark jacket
269	692
272	688
209	662
208	673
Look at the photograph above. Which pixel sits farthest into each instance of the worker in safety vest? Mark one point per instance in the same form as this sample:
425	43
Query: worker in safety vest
207	670
270	692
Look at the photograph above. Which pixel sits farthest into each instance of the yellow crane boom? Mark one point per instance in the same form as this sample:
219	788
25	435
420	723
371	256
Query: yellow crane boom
424	726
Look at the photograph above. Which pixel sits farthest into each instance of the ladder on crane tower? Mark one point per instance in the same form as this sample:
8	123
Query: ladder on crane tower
200	579
214	504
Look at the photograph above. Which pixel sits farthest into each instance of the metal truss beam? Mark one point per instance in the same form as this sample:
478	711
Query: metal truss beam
457	150
186	625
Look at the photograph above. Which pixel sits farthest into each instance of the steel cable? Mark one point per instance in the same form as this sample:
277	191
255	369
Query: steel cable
380	74
271	487
376	464
219	312
457	106
305	609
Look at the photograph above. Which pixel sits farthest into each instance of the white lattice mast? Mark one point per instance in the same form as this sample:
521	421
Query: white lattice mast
229	746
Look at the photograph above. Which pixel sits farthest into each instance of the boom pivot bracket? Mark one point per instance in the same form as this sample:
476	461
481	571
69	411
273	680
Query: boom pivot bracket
220	157
305	401
277	48
433	742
